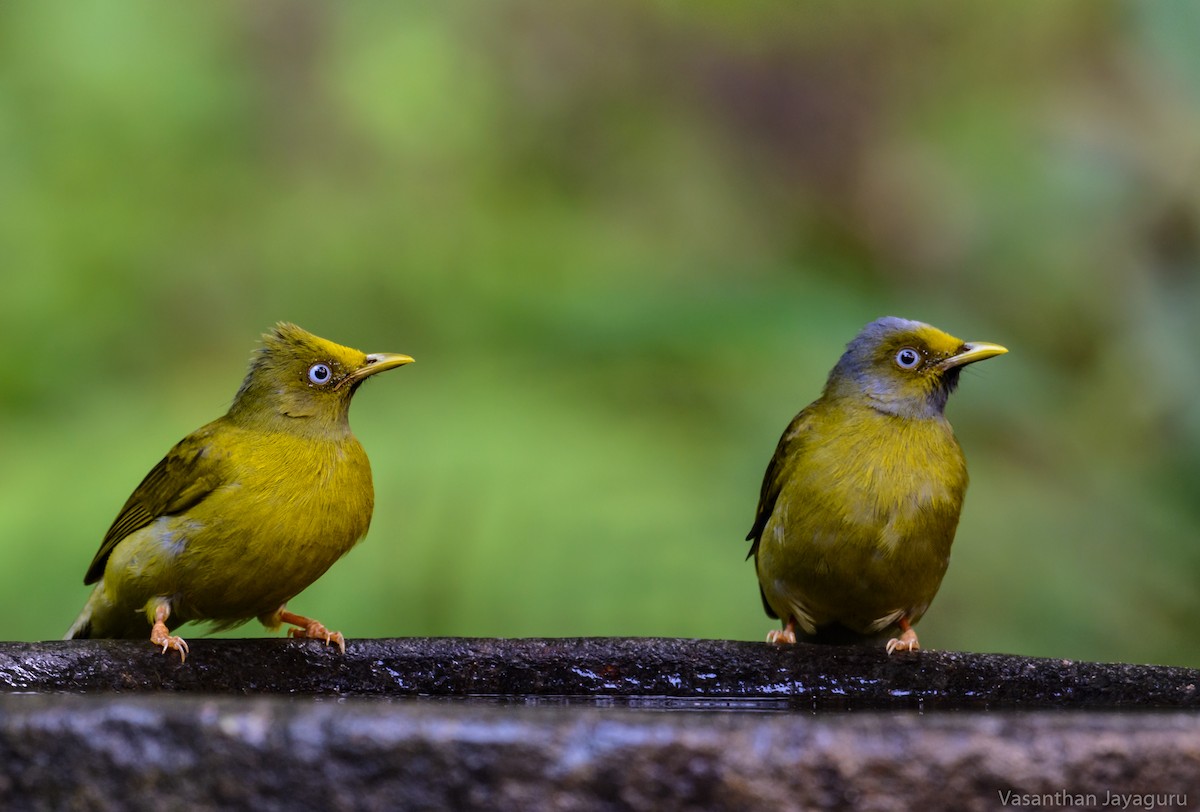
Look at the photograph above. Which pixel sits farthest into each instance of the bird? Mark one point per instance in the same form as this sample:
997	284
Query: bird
247	511
860	502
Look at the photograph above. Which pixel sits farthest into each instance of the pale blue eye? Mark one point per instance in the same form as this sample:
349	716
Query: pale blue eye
908	358
320	374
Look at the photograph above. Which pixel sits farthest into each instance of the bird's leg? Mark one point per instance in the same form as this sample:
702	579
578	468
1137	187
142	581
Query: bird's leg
311	628
160	636
907	641
785	635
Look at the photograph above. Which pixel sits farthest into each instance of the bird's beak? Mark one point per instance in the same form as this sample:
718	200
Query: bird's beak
377	362
971	352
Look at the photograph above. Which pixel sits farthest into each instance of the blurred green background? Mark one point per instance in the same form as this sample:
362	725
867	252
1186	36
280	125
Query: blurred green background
625	241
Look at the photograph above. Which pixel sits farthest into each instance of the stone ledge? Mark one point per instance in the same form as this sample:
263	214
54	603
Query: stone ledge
799	677
272	753
583	724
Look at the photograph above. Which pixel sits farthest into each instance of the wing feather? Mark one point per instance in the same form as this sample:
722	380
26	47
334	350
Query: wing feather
789	447
189	472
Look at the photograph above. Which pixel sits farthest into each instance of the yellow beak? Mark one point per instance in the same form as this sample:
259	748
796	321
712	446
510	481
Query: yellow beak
376	362
973	351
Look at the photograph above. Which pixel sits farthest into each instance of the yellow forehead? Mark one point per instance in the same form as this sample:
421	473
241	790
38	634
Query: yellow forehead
930	339
289	340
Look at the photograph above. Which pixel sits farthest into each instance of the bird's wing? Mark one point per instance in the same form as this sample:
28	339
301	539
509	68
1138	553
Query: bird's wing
190	471
790	445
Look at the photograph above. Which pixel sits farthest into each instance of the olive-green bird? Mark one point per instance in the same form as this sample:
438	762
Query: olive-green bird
245	512
860	502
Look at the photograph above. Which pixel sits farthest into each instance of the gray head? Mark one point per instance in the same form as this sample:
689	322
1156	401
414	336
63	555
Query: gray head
906	368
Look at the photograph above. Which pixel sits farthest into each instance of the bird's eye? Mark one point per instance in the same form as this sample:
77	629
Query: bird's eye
320	374
908	358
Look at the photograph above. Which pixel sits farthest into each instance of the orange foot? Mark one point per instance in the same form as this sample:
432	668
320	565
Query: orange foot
310	628
785	635
159	635
907	641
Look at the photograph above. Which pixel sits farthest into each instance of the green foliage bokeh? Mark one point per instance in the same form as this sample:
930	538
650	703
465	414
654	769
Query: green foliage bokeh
625	243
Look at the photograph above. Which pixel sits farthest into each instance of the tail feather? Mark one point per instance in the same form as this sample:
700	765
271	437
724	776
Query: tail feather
81	629
101	618
84	626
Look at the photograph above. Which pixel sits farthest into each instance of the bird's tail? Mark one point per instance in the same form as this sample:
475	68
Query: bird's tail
83	627
101	618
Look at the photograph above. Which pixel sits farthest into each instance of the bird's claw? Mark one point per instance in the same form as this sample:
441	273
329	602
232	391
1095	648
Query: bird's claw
315	630
785	635
907	641
160	636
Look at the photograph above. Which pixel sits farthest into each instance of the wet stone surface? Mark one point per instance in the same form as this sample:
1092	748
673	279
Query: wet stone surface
803	677
268	753
581	724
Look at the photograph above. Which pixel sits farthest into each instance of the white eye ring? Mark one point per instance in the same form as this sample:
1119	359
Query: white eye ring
908	358
320	374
